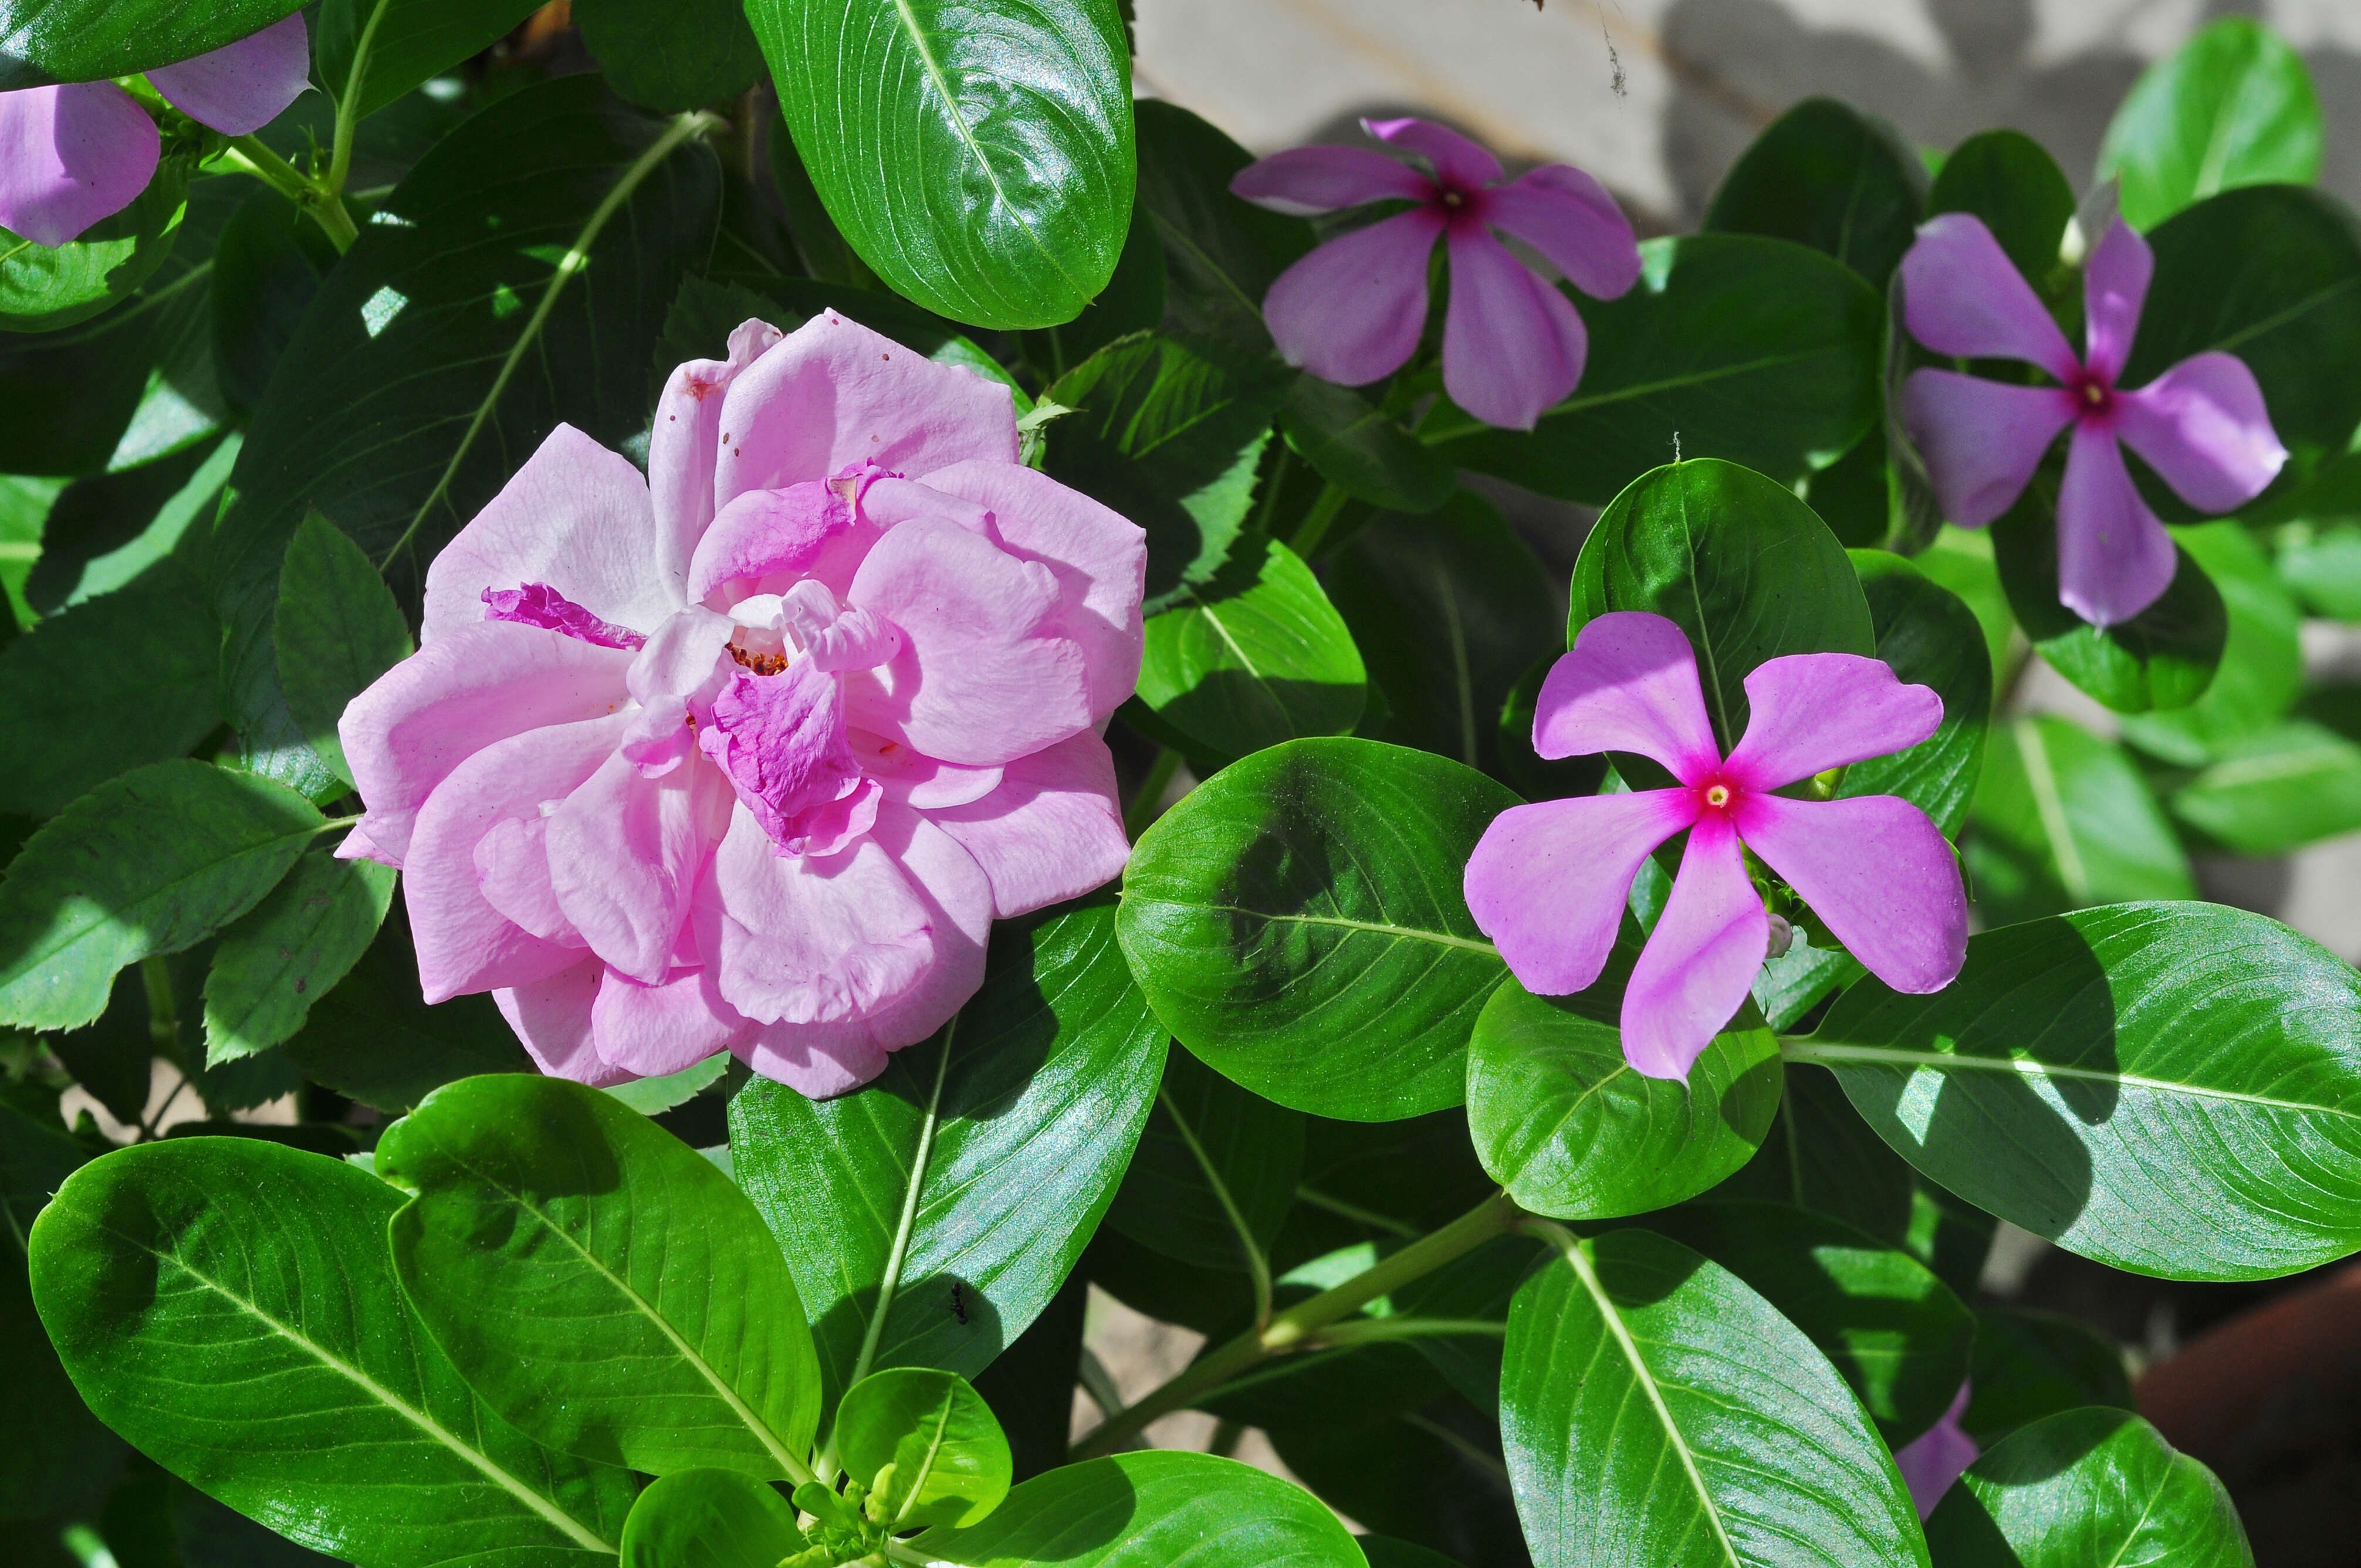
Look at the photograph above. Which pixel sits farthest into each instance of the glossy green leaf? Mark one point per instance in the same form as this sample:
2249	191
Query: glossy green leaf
2029	1365
2272	274
433	362
2262	664
409	42
2086	1487
2063	820
1253	657
1146	1510
1450	610
288	951
1826	175
1220	254
1895	1333
1214	1160
117	682
374	1038
1776	347
2167	1087
82	40
925	1444
1737	562
1433	1474
140	527
1385	1551
336	631
1562	1121
2232	106
1360	451
1167	430
1930	638
229	1306
2276	791
1819	1155
980	162
1297	921
666	1091
44	288
709	1518
598	1282
1656	1410
2009	181
671	56
150	862
1001	1144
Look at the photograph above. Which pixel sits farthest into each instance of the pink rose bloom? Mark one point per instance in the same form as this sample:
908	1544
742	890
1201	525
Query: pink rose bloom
747	755
1548	882
2202	425
1354	309
74	154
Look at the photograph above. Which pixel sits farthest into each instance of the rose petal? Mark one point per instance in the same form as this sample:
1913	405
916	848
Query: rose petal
1700	961
2113	558
1629	685
464	943
1574	223
763	533
458	695
2202	427
553	1017
512	873
241	87
356	845
1512	345
1878	871
1815	711
2115	285
910	776
1456	160
625	853
1098	557
1961	294
1053	830
1352	310
1981	439
653	1030
981	678
780	740
683	443
1307	179
577	518
1548	882
833	395
71	156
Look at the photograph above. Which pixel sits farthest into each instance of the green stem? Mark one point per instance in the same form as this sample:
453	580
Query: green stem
1258	1265
1314	526
1356	1213
1296	1327
340	157
327	208
1369	1330
1144	801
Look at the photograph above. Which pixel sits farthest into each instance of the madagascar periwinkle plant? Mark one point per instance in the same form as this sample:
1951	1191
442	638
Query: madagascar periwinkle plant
923	645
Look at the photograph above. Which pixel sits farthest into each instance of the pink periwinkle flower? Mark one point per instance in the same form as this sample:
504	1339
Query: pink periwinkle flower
1548	882
1937	1456
73	154
748	754
2202	425
1353	310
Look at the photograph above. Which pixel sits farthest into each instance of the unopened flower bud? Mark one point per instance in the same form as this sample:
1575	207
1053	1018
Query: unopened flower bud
1783	937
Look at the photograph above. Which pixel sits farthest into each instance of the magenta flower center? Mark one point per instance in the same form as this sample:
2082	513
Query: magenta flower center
2093	394
1461	207
1717	796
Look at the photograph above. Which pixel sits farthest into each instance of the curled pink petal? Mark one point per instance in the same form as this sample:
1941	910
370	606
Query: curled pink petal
780	740
2115	558
1578	228
1307	179
2202	427
1629	685
1547	883
512	873
241	87
356	845
766	534
71	156
682	444
1700	961
1878	871
538	604
1963	295
625	854
553	1017
1815	711
1051	830
1936	1457
1352	310
1512	345
1458	162
1981	439
667	1027
2114	287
